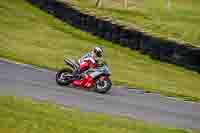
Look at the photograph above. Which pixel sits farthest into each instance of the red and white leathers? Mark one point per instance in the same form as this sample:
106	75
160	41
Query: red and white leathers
85	63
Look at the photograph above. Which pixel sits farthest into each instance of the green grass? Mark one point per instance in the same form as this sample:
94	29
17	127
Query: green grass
181	23
27	116
29	35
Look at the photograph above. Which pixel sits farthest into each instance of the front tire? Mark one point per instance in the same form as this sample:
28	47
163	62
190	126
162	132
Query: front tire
60	79
102	85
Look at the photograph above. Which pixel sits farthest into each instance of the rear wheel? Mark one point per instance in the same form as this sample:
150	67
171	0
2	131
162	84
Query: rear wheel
63	76
102	85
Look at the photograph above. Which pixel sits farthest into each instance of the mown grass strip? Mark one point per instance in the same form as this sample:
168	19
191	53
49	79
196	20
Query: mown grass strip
24	115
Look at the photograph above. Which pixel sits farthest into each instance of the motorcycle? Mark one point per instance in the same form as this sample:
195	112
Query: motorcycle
94	79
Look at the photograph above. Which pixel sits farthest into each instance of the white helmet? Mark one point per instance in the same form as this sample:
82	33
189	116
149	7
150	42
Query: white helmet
98	51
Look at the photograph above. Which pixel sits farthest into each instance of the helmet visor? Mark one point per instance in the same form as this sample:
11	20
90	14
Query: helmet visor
99	54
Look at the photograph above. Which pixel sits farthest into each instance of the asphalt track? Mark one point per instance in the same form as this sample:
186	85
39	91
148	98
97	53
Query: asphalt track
27	81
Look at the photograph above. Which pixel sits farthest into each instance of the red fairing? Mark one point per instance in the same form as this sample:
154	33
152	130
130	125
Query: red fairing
86	82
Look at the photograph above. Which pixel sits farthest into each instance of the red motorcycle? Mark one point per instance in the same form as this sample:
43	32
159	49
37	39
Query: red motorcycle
94	79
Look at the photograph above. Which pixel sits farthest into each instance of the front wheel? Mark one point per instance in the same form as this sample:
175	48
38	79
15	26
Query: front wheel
102	85
63	76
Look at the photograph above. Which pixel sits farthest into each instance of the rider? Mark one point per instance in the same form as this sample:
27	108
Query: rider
89	60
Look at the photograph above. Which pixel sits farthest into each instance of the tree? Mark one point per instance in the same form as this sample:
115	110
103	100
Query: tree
98	3
169	5
125	3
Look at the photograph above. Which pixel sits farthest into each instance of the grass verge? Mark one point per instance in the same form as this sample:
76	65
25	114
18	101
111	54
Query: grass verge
31	36
25	115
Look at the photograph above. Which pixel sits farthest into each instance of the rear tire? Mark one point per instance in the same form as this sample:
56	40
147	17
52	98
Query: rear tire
102	86
61	80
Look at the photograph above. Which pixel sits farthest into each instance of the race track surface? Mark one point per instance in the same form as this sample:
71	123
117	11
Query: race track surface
26	81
